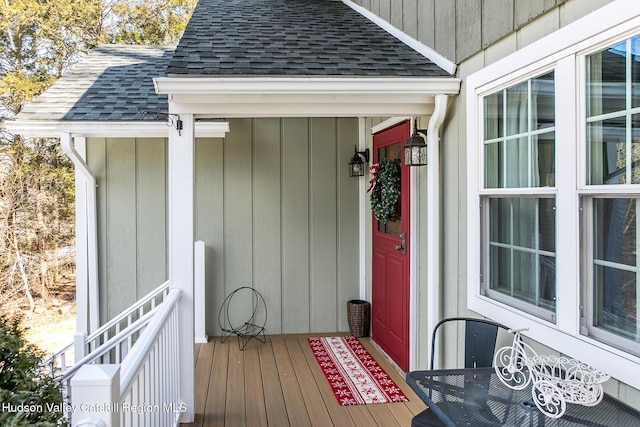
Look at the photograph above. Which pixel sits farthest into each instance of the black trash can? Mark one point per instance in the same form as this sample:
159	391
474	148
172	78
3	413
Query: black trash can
358	315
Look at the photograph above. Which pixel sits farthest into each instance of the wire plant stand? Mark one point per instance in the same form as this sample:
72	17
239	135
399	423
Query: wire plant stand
252	326
555	380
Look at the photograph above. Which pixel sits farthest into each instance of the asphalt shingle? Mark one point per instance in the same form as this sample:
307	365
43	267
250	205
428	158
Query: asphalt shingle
291	38
229	38
111	84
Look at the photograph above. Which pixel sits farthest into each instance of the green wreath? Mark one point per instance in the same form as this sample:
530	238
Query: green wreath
385	189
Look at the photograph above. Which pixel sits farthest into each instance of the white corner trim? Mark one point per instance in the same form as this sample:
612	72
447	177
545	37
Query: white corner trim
363	229
422	49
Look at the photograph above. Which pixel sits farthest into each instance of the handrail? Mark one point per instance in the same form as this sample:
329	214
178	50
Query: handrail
136	306
61	354
136	357
110	344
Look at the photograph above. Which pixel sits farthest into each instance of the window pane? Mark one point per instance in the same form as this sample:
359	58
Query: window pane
521	162
493	125
607	151
635	70
546	153
606	77
635	149
517	113
522	259
493	160
615	231
615	266
615	301
517	163
519	136
613	141
547	224
544	107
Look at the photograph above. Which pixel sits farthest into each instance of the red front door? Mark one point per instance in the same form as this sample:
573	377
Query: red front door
390	293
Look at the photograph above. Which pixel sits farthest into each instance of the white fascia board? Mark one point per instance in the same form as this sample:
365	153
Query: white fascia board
308	86
424	50
337	108
304	96
47	129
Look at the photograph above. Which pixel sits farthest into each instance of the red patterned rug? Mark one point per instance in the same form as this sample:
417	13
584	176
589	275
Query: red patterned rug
355	377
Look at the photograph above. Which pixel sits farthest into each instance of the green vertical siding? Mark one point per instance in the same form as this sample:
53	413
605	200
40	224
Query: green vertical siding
131	191
458	29
274	205
290	215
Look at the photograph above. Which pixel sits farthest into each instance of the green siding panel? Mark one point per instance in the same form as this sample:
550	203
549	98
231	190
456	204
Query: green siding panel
151	216
458	29
323	224
131	198
121	266
347	221
209	221
295	225
267	202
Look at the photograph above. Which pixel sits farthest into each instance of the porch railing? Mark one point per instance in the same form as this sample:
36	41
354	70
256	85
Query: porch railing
144	390
65	358
113	351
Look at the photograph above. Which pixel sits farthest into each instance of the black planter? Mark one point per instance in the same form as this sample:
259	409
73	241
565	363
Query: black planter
358	315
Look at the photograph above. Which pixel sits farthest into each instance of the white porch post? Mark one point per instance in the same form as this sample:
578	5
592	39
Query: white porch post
181	249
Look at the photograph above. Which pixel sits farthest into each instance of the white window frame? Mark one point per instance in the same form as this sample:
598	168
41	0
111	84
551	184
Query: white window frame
564	51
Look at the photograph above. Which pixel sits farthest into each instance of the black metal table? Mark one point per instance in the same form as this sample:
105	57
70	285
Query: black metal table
476	397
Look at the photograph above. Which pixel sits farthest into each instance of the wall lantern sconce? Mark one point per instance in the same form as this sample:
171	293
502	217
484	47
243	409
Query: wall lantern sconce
356	165
415	151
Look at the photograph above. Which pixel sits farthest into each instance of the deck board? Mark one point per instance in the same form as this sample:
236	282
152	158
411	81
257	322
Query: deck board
279	384
214	414
255	410
273	396
235	407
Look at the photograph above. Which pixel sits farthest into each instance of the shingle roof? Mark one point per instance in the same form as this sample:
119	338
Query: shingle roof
229	38
291	38
110	84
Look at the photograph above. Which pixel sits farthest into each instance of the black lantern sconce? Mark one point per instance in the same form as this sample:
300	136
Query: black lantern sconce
415	151
357	163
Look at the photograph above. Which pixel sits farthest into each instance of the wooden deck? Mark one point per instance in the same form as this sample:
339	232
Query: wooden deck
280	384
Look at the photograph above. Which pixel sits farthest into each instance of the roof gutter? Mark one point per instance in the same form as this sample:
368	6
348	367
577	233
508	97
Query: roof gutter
87	318
434	240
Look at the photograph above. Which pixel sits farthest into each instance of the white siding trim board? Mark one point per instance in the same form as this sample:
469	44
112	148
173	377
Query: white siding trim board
47	129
